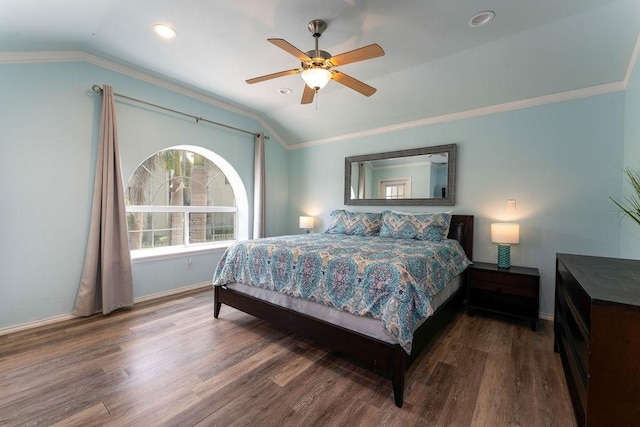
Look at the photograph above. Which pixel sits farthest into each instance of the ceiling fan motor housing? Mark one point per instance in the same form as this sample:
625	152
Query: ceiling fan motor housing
319	59
317	27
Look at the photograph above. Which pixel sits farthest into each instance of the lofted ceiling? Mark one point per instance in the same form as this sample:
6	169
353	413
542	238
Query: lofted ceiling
435	64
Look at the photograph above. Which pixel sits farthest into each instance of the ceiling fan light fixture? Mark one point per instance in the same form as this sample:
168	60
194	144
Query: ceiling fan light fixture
164	31
316	78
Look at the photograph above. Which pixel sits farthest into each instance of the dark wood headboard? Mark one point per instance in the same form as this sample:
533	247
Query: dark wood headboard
461	229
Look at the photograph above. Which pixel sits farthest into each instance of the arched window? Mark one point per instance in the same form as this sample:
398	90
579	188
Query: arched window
184	198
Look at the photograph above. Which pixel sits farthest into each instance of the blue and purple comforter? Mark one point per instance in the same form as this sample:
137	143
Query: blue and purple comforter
393	280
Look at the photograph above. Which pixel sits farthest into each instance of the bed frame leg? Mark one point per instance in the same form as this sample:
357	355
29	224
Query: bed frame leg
397	376
216	304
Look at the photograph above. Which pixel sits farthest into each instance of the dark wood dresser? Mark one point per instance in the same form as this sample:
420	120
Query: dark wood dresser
597	333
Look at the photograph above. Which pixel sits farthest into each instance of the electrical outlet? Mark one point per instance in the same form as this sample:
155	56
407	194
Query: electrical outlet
511	204
189	263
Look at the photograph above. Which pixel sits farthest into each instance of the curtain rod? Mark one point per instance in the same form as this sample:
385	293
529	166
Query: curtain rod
98	89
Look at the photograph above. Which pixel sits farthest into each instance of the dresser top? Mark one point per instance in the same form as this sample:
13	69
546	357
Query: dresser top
606	279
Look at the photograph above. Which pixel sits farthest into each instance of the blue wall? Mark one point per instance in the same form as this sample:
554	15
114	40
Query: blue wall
630	234
561	162
48	128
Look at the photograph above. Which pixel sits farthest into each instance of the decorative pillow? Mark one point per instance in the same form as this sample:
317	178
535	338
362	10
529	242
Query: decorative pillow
433	227
355	223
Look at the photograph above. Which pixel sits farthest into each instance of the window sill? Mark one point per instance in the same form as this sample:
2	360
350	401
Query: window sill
156	254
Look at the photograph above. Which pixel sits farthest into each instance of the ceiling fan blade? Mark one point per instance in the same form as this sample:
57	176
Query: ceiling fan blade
288	47
307	95
367	52
274	75
354	84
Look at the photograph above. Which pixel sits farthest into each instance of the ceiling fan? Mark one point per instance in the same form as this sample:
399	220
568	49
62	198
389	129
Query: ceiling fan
316	65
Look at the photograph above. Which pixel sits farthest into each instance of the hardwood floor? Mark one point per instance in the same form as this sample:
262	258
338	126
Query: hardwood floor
169	362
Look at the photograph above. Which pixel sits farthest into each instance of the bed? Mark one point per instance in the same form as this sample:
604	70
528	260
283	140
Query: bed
367	332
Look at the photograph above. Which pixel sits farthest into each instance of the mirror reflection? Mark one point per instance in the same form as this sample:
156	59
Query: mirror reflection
422	176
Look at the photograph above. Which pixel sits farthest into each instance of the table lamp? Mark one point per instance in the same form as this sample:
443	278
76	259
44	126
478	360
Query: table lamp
505	234
306	223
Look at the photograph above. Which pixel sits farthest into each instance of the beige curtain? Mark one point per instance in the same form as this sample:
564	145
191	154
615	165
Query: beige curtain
259	189
106	283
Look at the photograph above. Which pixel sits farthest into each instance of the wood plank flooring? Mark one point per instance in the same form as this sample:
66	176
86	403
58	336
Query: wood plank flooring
169	362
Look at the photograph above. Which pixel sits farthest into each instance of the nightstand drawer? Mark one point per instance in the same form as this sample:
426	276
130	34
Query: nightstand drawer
526	286
513	291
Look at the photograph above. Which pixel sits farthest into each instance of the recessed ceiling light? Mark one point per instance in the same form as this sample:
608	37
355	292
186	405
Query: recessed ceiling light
481	18
164	31
285	90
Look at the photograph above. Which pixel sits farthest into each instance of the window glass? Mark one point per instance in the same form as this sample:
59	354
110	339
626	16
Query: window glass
178	198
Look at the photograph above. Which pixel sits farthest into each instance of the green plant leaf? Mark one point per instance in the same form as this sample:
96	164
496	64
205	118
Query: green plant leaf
631	204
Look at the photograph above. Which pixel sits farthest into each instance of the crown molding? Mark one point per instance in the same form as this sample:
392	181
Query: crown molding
70	56
500	108
632	62
76	56
483	111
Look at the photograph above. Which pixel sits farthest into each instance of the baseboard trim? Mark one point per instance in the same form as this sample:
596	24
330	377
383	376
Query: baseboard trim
150	297
36	324
170	292
62	317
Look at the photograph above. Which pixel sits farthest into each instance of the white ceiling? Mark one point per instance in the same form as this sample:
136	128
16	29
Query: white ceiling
435	65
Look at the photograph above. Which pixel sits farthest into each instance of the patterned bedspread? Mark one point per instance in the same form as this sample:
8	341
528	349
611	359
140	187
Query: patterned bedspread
393	280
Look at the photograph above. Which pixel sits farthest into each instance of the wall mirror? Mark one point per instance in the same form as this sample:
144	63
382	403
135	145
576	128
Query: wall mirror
419	176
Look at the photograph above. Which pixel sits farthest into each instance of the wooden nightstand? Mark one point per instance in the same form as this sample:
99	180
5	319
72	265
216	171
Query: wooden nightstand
512	291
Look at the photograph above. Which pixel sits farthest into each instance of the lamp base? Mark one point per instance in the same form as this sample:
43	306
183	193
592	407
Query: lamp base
504	256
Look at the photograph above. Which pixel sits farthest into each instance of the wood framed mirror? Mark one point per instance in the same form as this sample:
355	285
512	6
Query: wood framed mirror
418	176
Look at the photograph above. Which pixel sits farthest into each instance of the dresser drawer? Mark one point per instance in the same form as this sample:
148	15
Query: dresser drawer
580	303
521	285
577	342
574	377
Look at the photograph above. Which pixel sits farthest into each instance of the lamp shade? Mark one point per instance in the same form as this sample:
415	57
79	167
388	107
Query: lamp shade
306	222
316	78
505	232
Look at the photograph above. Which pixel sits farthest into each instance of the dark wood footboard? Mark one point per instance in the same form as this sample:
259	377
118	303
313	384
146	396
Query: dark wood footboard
387	357
390	358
